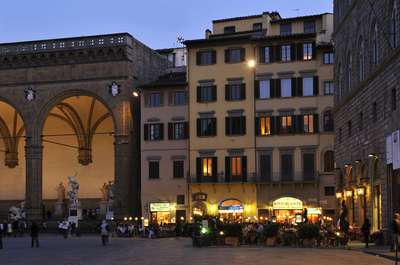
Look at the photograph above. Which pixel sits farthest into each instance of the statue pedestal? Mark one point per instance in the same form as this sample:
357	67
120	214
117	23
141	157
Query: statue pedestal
59	209
103	208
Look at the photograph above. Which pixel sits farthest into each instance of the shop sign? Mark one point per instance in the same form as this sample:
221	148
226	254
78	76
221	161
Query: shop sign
287	203
389	149
314	211
396	150
160	207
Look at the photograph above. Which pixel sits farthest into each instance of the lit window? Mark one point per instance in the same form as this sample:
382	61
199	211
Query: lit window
286	124
265	126
308	123
207	167
236	166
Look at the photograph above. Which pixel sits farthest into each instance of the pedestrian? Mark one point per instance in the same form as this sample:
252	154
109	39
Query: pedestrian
396	231
104	231
1	235
35	235
366	230
9	229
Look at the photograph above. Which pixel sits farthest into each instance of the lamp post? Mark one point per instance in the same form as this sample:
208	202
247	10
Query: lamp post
350	195
361	193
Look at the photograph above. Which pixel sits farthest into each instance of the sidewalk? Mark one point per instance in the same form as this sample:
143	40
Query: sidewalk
381	251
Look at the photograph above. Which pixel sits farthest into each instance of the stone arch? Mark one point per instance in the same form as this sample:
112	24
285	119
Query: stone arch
70	129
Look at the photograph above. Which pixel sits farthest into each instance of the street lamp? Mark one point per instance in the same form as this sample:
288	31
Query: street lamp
251	63
339	195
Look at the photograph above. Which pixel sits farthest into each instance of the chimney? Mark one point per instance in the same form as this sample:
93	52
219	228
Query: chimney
208	33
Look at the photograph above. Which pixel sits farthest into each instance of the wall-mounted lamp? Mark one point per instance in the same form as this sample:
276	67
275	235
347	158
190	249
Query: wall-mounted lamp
360	191
339	195
349	193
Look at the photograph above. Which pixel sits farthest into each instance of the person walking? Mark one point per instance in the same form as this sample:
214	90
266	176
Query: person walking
1	235
104	231
34	235
396	231
366	230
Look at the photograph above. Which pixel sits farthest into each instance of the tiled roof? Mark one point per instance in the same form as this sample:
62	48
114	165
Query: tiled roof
290	19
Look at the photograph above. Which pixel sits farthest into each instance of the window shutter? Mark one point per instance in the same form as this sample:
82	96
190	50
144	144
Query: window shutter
170	131
271	54
278	122
186	130
214	126
171	98
146	132
294	124
300	86
278	53
272	88
257	128
316	86
277	88
300	124
227	126
314	51
243	123
161	131
199	94
199	169
257	89
316	123
227	92
273	125
214	93
215	168
214	57
244	169
243	91
161	99
300	51
198	58
242	54
227	56
227	169
262	55
198	127
293	52
294	87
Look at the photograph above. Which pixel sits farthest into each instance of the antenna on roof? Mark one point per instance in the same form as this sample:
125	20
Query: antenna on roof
179	41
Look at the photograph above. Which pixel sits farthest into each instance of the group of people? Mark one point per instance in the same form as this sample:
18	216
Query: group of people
137	229
34	233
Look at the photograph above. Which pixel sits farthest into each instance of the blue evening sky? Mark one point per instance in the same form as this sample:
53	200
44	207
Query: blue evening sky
157	23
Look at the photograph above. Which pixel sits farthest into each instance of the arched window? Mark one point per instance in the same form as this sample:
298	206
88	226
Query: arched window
393	26
329	161
328	121
361	62
375	44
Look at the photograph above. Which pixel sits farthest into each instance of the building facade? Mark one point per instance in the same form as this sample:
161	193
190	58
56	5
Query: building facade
261	124
66	109
367	57
164	145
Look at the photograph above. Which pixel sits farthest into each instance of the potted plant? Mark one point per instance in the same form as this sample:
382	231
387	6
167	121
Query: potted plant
308	233
271	234
232	233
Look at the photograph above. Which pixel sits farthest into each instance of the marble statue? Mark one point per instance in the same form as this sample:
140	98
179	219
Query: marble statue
17	213
60	192
73	191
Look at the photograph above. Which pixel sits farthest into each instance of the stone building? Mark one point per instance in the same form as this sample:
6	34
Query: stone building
367	65
66	108
260	112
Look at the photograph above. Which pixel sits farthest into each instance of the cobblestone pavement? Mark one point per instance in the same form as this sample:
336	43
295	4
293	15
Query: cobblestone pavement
88	251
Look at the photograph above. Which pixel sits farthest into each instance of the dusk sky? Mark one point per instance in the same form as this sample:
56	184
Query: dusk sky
157	23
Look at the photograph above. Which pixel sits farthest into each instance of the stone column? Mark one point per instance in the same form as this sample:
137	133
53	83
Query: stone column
33	192
124	163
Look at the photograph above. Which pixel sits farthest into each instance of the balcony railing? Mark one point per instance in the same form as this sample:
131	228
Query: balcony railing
63	44
250	179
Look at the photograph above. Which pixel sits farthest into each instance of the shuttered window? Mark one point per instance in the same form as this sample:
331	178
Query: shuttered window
287	167
235	55
235	126
178	131
178	169
154	169
265	167
235	92
308	86
307	51
206	127
206	169
236	169
153	132
206	93
286	88
206	57
286	54
309	166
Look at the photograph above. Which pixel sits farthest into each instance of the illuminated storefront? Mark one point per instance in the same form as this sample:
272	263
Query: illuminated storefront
231	209
162	212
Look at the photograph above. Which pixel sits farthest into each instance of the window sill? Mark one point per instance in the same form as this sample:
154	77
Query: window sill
234	100
205	64
205	137
154	140
235	135
235	62
206	102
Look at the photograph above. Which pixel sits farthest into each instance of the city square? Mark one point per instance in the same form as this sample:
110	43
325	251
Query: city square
172	251
202	133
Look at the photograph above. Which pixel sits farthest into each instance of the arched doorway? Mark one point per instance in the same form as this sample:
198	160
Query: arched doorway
78	139
12	157
231	210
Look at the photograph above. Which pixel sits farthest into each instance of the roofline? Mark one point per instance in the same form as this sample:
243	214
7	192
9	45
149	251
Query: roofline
236	18
250	38
68	38
289	19
168	49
